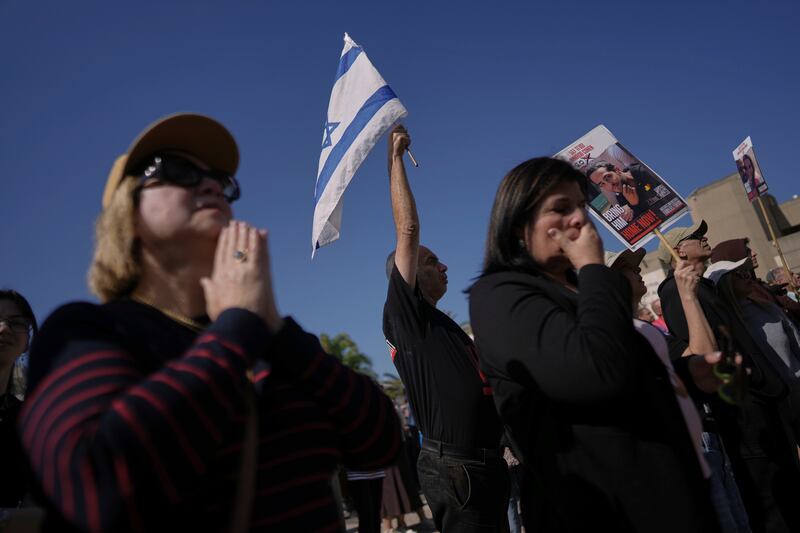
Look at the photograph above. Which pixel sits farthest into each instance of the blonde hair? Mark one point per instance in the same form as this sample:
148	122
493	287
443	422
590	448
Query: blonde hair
115	268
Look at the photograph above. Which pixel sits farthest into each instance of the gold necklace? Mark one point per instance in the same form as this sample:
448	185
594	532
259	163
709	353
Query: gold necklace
177	317
181	319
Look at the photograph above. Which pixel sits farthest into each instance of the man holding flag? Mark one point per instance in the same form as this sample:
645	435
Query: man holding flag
461	467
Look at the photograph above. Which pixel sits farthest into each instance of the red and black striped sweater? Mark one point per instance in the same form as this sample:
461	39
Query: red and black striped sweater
135	422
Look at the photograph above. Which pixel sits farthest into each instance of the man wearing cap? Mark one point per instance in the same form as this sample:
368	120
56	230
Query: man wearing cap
767	415
691	245
461	467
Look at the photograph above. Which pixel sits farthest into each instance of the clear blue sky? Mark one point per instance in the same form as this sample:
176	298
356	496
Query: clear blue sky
487	85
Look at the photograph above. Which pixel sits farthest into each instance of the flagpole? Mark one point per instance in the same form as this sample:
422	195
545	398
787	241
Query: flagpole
410	155
665	243
777	245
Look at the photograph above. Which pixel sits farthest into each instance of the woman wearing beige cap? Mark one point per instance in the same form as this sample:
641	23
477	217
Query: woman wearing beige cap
184	401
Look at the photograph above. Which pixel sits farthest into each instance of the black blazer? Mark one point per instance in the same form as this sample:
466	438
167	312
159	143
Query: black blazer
588	406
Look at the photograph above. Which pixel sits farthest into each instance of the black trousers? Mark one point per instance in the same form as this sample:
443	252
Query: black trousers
465	495
366	495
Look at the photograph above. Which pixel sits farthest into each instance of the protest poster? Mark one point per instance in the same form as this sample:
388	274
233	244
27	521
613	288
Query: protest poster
623	193
749	171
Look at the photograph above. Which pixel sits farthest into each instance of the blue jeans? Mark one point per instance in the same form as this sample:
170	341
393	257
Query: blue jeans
725	495
515	475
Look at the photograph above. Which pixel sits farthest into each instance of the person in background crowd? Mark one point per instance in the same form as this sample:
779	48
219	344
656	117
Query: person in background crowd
185	402
740	248
759	434
400	497
659	320
17	329
366	491
725	496
782	280
461	468
412	438
589	408
401	490
775	333
644	314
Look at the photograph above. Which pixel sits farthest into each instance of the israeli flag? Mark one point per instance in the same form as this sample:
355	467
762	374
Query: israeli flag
362	107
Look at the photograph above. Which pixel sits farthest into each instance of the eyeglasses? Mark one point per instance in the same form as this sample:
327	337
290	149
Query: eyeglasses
181	172
17	325
700	239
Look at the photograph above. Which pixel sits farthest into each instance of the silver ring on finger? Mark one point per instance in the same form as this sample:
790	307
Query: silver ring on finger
240	256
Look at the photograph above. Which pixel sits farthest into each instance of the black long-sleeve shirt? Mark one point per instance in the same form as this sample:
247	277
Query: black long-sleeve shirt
588	404
135	422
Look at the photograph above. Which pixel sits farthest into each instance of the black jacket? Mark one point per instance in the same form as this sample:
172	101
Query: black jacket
588	405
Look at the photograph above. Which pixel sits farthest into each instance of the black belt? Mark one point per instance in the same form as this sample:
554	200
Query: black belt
460	452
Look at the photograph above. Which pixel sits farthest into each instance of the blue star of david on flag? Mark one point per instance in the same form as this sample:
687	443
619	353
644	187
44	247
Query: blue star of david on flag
329	127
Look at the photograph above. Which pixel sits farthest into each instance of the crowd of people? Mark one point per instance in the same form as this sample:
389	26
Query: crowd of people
185	400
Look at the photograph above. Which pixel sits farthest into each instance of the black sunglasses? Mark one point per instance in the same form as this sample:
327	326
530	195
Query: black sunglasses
178	171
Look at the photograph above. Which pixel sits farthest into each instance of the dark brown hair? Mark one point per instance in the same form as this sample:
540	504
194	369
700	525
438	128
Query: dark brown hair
23	305
518	196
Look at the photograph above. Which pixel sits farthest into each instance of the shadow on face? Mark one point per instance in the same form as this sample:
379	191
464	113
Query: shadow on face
431	275
14	328
564	209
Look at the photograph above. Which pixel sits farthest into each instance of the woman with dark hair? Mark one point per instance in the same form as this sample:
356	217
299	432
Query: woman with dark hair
17	328
185	402
589	406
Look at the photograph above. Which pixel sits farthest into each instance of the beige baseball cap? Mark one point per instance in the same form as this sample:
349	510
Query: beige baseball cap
626	256
197	135
676	235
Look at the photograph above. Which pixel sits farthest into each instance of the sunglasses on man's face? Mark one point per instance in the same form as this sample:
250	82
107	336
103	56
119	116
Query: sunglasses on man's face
176	170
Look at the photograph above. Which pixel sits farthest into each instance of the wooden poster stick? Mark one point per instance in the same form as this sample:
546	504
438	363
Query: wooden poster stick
663	240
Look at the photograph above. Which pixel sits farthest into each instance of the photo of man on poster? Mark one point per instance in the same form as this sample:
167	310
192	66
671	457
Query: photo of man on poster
633	187
624	194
